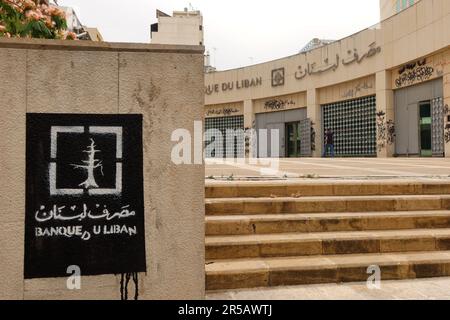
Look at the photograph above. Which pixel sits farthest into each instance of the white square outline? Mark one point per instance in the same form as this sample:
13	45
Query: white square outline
117	131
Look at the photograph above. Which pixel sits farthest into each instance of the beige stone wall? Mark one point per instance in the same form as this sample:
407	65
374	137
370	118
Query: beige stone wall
67	77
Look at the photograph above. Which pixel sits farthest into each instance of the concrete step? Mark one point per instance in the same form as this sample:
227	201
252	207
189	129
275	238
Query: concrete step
248	206
264	272
258	189
324	222
326	243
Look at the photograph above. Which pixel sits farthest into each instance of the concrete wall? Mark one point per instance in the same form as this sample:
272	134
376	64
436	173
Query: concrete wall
85	77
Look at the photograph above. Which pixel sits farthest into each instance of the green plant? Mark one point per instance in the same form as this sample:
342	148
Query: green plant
32	19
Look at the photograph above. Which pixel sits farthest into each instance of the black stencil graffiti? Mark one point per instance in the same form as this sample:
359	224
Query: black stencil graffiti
414	72
313	137
84	195
278	104
411	66
248	132
385	131
250	139
447	127
447	133
391	132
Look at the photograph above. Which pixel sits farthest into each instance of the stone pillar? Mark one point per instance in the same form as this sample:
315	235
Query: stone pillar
447	104
249	123
12	148
315	114
69	77
385	115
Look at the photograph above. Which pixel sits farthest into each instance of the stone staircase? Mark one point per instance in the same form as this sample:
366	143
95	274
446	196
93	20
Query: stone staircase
261	234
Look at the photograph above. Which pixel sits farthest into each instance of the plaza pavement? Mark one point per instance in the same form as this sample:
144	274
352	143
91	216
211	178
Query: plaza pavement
417	289
340	168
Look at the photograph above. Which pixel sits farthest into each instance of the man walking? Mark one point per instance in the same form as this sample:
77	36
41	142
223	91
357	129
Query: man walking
329	143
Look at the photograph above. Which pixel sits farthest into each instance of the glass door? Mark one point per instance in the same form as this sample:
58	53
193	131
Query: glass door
293	145
425	129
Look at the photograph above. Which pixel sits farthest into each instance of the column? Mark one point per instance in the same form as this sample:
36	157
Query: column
385	115
315	115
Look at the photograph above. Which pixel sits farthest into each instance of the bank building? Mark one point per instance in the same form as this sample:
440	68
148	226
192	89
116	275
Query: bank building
383	91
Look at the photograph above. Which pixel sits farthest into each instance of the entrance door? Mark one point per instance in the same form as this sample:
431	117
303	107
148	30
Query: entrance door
425	129
271	145
293	140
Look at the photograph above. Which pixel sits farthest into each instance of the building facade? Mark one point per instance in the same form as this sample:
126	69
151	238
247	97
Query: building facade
182	28
384	91
390	7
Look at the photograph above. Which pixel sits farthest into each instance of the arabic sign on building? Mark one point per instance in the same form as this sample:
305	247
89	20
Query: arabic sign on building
419	71
84	195
352	56
281	76
280	103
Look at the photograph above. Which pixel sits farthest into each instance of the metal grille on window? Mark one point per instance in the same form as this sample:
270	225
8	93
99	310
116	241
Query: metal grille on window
354	125
237	148
437	126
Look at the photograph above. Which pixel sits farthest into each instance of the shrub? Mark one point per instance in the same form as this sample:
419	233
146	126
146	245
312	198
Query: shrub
32	19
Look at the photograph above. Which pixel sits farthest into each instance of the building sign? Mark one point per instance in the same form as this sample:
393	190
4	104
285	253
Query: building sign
360	88
84	195
278	104
225	111
233	85
413	73
278	77
353	56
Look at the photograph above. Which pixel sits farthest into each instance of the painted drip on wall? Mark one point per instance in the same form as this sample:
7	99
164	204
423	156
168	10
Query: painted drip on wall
124	281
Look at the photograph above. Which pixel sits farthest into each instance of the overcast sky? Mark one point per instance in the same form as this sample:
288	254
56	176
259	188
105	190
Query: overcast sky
237	32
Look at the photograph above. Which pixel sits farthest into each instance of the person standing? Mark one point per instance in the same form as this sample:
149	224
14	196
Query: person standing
329	143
